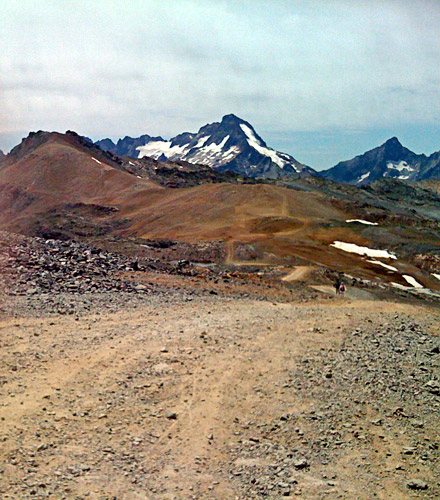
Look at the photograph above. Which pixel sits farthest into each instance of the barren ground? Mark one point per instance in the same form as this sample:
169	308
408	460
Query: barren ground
211	397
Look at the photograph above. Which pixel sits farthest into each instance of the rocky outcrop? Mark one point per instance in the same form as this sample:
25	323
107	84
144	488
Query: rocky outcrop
33	265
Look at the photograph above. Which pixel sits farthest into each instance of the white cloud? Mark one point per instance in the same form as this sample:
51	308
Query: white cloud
113	67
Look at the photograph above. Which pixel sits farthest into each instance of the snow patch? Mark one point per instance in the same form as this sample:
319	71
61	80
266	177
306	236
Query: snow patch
202	141
412	281
436	276
156	149
213	153
402	165
361	221
131	163
231	152
386	266
370	252
97	161
214	148
363	177
269	152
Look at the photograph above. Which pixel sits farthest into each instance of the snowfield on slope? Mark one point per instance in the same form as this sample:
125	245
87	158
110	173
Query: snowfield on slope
156	149
206	154
361	221
370	252
386	266
412	281
363	177
402	167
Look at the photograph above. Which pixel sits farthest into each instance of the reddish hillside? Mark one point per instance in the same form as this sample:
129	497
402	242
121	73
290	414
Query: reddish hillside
48	170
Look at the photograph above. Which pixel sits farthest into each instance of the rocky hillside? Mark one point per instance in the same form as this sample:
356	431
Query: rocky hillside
391	159
231	145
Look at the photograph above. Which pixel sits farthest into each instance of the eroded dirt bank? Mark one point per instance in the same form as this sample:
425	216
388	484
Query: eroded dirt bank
216	398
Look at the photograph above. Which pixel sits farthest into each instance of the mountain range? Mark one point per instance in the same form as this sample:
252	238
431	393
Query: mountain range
234	145
230	145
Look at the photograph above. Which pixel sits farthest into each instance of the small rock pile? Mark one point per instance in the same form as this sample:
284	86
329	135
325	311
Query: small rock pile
31	266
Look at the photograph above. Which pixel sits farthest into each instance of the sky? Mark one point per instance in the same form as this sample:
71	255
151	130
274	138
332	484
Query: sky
322	80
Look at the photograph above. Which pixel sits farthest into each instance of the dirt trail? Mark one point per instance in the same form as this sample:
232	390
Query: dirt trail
180	401
298	273
240	216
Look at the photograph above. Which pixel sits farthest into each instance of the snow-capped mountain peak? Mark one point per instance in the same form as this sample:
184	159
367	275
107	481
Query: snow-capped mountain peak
229	145
390	160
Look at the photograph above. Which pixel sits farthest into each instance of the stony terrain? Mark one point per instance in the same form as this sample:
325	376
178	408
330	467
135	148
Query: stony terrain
128	379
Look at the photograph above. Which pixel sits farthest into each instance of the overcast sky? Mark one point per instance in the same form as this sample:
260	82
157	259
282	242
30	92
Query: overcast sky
321	80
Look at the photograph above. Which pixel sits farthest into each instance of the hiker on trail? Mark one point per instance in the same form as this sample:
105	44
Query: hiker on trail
342	288
337	285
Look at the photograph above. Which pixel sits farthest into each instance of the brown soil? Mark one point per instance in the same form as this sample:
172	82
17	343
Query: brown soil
177	399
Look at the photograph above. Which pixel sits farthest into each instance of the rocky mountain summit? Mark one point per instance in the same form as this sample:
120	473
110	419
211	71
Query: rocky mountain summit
390	160
34	140
231	145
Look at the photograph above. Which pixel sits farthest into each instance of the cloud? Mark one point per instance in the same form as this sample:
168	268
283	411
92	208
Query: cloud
117	68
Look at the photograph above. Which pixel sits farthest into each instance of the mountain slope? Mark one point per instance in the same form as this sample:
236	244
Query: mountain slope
53	170
231	145
61	186
391	159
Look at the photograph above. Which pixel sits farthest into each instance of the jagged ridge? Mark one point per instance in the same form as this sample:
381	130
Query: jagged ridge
231	145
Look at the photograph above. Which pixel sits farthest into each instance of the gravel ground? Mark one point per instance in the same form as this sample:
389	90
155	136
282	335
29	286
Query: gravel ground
178	385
